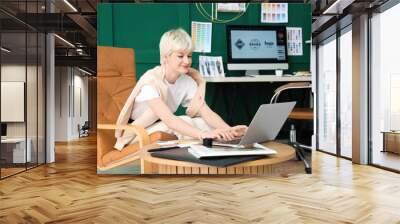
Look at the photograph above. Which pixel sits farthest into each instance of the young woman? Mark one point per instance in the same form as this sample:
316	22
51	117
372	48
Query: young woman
161	90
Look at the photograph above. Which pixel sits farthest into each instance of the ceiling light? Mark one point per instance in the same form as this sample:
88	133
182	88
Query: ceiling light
84	71
337	7
5	50
70	5
65	41
333	6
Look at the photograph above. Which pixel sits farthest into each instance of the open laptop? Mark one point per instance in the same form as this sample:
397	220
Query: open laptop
265	125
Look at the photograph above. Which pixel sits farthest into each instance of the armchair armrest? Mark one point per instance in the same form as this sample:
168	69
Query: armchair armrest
144	138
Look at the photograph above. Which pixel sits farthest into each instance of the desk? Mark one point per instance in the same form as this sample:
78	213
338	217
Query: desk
268	165
391	141
259	78
13	150
302	114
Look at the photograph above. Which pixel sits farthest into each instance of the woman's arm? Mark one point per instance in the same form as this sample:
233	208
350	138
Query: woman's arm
215	121
196	76
164	113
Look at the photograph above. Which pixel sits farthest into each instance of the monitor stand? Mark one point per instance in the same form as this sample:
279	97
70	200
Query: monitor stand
252	72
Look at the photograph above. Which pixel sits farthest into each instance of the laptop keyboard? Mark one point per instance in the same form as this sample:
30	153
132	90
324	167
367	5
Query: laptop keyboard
233	142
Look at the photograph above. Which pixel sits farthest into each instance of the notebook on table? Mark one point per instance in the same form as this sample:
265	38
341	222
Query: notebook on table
200	151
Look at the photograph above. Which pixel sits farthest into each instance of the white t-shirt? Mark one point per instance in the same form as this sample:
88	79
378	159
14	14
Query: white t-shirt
179	93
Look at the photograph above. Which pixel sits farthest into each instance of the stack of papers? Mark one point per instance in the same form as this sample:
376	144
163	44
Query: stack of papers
200	151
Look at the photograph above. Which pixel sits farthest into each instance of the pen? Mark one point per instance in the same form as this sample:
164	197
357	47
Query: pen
163	149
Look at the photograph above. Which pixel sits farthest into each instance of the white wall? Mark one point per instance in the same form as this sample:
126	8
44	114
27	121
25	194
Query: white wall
80	101
71	102
61	103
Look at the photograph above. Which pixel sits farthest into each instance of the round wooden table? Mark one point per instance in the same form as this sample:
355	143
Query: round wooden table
154	165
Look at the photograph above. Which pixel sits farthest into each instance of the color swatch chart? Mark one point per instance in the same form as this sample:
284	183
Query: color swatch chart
274	12
201	36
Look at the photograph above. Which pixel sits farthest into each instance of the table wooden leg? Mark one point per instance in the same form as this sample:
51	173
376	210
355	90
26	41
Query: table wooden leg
146	167
230	170
195	170
213	170
221	170
204	170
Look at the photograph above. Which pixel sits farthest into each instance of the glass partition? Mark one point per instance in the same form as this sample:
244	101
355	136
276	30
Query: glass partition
22	92
326	122
385	89
346	93
14	153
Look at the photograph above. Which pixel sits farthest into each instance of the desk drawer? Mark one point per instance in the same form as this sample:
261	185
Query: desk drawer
391	142
15	152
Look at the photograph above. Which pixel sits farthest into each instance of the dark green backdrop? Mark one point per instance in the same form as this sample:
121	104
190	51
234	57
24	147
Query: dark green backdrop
140	26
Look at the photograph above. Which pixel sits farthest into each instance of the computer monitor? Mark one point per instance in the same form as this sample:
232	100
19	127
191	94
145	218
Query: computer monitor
3	129
254	48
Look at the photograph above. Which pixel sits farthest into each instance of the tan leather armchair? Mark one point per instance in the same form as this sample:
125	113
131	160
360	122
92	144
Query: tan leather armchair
116	77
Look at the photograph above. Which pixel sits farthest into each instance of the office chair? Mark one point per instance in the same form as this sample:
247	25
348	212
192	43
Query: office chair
84	129
296	114
116	77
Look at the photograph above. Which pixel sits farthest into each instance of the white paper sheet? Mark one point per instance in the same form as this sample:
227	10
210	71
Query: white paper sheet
201	36
274	12
231	7
211	66
200	151
294	41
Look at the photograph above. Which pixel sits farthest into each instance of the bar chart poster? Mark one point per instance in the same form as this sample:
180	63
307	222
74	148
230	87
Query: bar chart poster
201	36
294	41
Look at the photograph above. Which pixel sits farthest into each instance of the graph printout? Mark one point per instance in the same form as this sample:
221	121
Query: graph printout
274	12
201	36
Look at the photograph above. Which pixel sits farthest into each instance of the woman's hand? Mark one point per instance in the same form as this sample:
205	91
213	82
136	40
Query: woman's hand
218	134
207	134
239	130
196	76
225	134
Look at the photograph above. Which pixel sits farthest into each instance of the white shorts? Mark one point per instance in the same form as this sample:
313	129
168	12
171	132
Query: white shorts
196	122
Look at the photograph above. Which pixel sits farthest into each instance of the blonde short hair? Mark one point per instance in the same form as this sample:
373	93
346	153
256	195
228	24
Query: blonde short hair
175	40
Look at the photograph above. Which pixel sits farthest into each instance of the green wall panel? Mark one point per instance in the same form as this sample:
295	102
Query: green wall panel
105	30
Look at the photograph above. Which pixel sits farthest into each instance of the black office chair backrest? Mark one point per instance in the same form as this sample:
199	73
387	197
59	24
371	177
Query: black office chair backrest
86	126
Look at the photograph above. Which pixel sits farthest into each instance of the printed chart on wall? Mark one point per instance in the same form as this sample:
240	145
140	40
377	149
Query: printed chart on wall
294	41
201	36
274	12
231	7
211	66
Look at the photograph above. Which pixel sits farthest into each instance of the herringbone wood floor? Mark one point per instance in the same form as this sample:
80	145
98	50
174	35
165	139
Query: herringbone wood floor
70	191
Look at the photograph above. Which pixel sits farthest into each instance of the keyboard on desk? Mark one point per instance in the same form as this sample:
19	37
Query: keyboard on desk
231	142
